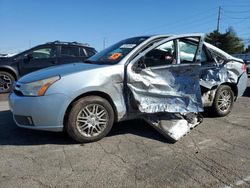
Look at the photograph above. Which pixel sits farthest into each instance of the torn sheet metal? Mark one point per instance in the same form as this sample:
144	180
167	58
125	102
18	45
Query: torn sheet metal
212	76
208	97
215	76
173	89
222	70
173	126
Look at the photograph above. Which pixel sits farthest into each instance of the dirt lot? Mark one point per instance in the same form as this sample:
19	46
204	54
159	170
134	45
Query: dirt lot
214	154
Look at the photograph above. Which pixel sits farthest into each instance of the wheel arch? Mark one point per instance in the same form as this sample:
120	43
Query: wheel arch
92	93
10	70
233	86
223	106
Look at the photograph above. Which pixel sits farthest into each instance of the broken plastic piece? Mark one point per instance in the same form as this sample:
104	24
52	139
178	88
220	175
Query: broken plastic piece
174	126
175	129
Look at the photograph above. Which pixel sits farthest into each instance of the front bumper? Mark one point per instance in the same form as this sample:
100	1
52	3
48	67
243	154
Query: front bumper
42	113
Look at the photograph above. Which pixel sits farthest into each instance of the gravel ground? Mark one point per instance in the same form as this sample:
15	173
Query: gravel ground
214	154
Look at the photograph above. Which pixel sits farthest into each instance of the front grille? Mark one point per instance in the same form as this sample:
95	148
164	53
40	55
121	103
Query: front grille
24	120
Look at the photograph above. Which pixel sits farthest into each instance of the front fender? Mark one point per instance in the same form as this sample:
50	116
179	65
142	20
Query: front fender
78	84
11	70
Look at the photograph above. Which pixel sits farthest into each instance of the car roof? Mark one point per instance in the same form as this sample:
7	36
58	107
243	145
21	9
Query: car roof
86	45
172	35
228	56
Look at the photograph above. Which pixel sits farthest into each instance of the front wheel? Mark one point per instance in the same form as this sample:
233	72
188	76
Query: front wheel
6	82
223	101
90	119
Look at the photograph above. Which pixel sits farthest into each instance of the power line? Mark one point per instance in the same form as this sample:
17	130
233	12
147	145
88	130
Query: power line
178	24
237	5
186	21
194	21
189	22
236	22
231	18
237	18
235	12
196	25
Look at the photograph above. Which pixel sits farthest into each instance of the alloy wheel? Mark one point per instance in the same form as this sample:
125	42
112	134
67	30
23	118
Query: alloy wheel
224	100
92	120
5	82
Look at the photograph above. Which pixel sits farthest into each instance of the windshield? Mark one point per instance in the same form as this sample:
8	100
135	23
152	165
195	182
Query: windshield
116	52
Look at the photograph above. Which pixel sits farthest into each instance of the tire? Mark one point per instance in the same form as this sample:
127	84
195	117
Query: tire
90	119
223	101
6	82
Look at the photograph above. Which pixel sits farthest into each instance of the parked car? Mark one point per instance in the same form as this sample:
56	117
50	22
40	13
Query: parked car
134	78
7	55
3	55
248	66
246	59
42	56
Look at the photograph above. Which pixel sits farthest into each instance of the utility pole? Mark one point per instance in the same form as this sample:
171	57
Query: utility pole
218	20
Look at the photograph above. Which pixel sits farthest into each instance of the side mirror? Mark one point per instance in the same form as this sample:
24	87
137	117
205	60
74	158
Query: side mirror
27	58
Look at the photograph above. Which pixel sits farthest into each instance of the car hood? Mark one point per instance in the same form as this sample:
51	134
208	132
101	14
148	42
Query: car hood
60	70
4	60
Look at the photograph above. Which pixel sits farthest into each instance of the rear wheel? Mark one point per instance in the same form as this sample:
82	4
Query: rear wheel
90	119
223	101
6	82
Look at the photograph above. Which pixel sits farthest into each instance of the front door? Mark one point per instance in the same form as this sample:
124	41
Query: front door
165	77
38	58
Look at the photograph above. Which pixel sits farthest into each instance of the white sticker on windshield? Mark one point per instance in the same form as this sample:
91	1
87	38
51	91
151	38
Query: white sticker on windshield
128	46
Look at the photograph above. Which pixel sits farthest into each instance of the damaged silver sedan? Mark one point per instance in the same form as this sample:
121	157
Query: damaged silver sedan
165	80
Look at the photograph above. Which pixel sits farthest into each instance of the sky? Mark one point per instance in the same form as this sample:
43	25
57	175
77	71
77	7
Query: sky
100	23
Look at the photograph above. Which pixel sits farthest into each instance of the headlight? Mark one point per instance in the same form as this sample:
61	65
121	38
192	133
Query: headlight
38	88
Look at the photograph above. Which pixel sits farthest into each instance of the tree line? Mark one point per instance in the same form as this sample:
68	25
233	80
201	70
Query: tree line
228	41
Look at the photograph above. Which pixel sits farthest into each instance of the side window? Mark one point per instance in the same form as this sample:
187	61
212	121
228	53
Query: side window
82	52
162	55
69	51
188	50
90	52
219	58
41	53
204	57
